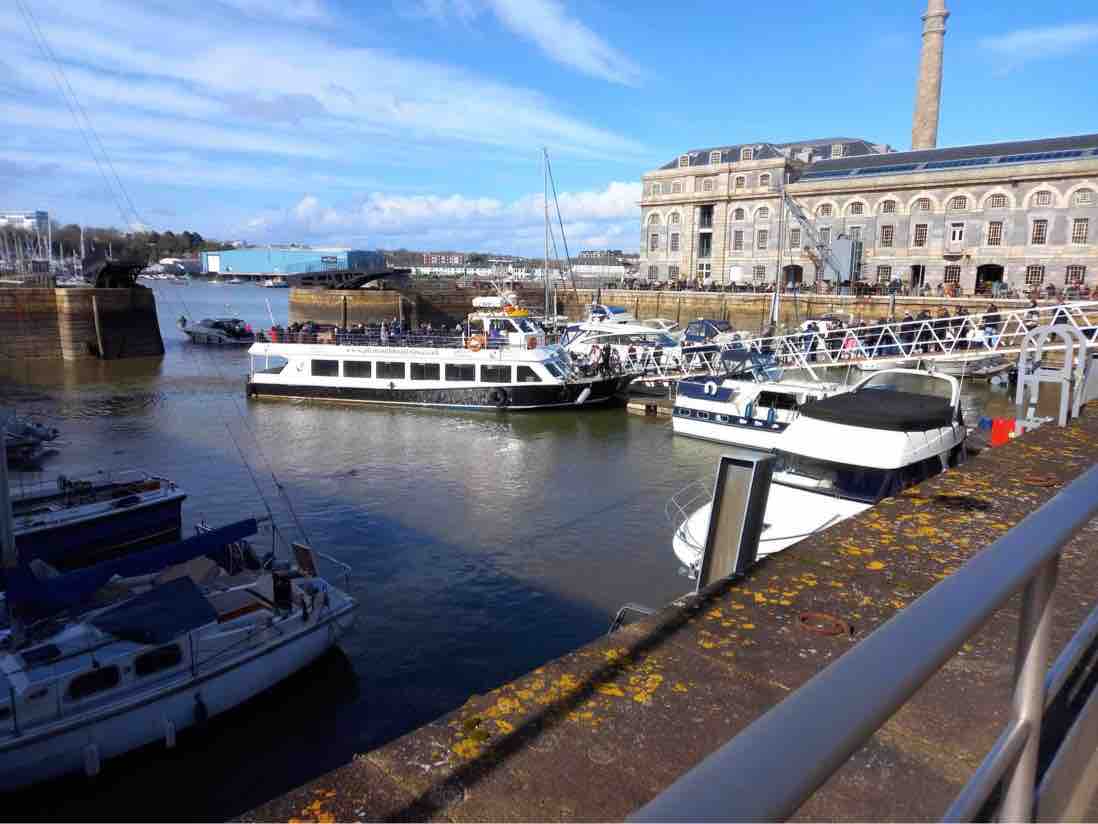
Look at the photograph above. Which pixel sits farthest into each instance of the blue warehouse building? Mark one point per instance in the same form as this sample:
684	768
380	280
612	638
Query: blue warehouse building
285	260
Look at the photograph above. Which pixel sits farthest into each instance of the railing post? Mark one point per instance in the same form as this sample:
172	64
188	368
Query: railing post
1031	665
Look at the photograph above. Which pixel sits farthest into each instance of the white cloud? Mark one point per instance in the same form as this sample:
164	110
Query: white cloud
1023	45
547	24
260	70
424	221
307	11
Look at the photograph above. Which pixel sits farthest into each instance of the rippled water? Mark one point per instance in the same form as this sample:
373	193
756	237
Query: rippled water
482	545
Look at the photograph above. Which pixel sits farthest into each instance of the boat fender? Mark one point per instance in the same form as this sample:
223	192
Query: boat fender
201	712
92	761
710	387
583	396
499	398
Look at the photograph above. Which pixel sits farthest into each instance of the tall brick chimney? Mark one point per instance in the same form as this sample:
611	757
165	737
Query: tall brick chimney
928	91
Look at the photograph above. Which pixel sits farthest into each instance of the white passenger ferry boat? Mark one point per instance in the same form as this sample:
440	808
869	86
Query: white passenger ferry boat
841	455
501	360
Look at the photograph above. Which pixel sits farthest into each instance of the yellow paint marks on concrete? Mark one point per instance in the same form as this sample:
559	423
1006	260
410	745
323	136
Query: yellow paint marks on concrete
760	598
875	565
612	690
747	626
680	687
506	727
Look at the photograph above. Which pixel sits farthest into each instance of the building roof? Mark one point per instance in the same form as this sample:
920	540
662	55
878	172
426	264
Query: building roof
985	154
817	149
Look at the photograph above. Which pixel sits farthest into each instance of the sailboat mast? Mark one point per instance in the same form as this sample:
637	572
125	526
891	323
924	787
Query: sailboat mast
545	209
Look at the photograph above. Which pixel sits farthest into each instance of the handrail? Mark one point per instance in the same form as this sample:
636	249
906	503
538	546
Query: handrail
760	776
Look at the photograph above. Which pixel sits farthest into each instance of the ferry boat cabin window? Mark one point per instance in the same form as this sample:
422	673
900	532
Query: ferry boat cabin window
524	374
98	680
325	369
390	369
495	374
461	372
157	660
358	368
554	369
425	372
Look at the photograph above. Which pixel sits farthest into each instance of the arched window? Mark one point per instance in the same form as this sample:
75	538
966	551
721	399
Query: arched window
997	202
763	213
764	181
684	161
747	153
1083	197
888	207
739	214
824	210
922	205
674	219
714	157
741	182
958	203
653	220
1042	198
856	208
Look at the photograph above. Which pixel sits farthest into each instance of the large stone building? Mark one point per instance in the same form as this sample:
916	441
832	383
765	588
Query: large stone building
1022	214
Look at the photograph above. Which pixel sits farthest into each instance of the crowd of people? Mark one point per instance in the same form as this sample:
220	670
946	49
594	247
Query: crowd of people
922	333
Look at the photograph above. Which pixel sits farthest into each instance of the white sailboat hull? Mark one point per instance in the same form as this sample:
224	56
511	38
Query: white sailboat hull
82	744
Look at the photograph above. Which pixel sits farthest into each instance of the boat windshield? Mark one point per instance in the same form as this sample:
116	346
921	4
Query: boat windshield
855	483
722	325
915	384
527	325
639	339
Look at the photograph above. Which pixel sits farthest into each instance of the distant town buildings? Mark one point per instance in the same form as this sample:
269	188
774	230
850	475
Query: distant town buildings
443	259
31	221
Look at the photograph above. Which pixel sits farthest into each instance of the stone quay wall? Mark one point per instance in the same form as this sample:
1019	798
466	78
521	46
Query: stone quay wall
76	323
450	304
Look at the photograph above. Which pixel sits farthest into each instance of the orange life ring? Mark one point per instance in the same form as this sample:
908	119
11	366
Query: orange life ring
476	343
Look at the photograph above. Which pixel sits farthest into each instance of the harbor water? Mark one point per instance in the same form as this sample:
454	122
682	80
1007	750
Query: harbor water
481	544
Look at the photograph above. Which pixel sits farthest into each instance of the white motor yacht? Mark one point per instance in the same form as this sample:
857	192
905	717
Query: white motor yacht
841	455
626	344
743	412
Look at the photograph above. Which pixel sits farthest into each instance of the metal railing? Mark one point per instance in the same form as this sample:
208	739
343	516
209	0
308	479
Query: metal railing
1000	332
772	767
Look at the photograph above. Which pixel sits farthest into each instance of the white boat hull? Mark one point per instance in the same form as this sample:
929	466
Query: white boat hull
67	746
758	435
791	516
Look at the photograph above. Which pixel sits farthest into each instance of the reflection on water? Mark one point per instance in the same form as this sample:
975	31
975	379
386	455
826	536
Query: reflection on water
482	544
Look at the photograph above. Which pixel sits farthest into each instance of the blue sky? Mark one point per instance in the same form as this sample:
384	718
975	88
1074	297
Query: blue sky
419	123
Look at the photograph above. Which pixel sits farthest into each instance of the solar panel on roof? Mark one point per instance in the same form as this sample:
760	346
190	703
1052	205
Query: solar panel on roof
1036	156
884	170
819	175
956	164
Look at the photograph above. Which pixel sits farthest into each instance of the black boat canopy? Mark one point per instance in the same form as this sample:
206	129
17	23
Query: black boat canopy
883	409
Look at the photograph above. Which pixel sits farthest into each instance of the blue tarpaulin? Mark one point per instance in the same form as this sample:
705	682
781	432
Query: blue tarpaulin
159	615
54	594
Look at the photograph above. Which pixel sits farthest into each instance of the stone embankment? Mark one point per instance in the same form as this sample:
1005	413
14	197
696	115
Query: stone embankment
76	322
449	304
601	731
